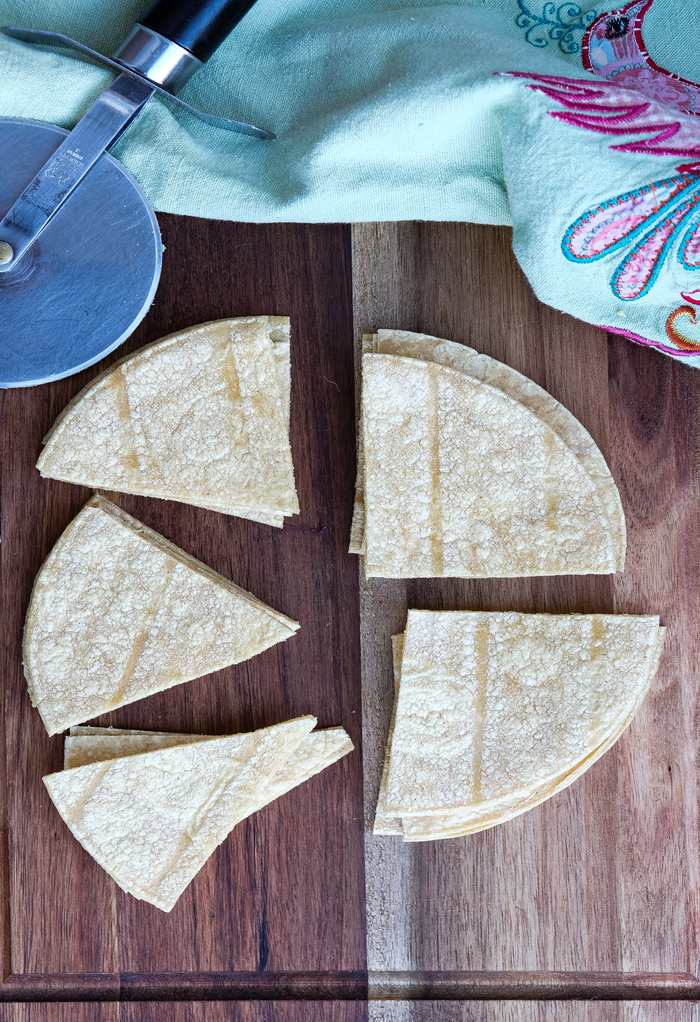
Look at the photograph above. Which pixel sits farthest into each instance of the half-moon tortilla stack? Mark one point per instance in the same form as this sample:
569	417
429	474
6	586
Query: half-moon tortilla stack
201	416
151	807
496	712
118	613
468	469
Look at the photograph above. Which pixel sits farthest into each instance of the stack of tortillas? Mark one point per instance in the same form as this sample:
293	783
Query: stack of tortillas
468	469
152	807
496	712
118	613
201	416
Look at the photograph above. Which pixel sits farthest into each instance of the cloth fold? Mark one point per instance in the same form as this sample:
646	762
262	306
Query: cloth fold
474	111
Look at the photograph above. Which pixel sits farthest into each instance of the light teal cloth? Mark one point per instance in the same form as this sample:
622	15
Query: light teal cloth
382	113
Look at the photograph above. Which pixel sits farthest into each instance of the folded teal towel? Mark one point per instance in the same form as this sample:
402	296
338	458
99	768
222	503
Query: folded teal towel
551	117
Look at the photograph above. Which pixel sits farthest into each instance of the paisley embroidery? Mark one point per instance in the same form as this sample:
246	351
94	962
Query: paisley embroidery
556	23
613	223
636	274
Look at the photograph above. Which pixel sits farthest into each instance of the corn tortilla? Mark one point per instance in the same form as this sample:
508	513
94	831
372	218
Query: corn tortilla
117	613
201	416
152	820
317	750
481	368
496	712
462	480
528	393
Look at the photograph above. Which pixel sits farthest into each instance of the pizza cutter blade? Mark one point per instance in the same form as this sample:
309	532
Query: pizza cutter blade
89	278
80	249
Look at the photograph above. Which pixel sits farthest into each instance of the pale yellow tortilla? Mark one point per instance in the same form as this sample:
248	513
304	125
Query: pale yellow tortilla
118	612
432	828
201	416
478	817
497	712
152	820
79	750
484	369
528	393
462	480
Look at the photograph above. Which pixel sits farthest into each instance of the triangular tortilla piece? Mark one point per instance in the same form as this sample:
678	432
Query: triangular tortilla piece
462	480
493	706
432	828
483	368
89	730
151	821
201	416
482	816
261	515
528	393
118	613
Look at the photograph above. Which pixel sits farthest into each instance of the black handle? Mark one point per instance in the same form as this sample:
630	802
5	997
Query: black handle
199	26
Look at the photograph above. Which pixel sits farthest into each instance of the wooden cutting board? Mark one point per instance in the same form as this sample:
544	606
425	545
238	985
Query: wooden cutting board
592	894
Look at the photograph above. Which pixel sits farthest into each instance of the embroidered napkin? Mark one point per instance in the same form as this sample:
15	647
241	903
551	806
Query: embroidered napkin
575	123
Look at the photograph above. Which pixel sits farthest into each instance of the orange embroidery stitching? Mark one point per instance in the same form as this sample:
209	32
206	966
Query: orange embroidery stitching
683	342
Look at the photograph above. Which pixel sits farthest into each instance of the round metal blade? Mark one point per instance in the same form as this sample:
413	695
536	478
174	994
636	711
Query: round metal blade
90	277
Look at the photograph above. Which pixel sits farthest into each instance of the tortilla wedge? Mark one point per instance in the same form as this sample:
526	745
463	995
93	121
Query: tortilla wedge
152	820
548	696
464	486
201	416
117	613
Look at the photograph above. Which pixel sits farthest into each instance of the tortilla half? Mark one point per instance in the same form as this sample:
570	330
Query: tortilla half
494	478
201	416
497	712
152	820
118	613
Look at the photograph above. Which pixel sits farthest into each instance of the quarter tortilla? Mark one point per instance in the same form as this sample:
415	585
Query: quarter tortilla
575	439
528	393
201	416
117	613
496	712
463	480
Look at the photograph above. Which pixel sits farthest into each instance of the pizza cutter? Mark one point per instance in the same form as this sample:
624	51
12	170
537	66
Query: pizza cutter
80	249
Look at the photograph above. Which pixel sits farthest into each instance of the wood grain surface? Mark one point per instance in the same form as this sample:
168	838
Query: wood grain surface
604	876
285	891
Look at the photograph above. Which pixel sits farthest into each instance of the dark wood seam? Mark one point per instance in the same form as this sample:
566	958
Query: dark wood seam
537	986
353	986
